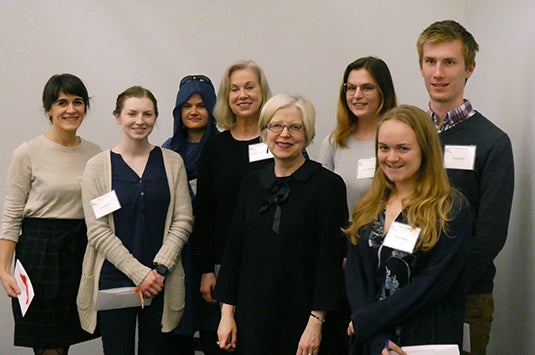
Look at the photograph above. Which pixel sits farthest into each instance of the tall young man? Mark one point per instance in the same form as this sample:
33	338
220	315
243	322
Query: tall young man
478	157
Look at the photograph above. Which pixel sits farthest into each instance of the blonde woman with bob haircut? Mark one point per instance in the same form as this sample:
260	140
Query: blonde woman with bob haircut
223	111
401	293
226	158
282	260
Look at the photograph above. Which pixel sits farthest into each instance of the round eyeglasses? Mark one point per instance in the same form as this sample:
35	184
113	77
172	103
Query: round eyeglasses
365	89
279	127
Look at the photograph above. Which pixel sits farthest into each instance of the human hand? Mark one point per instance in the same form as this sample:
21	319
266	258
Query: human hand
152	284
208	282
310	341
10	285
392	348
227	331
350	329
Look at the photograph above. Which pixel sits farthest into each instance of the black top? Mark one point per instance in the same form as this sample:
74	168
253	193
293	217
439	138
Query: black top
489	189
140	221
276	270
223	164
412	299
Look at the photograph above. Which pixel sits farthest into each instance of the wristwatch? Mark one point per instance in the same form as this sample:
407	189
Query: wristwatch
162	269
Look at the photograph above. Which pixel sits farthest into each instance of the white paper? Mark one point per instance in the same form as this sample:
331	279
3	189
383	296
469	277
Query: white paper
432	349
402	237
105	204
461	157
466	337
259	151
120	297
366	168
26	289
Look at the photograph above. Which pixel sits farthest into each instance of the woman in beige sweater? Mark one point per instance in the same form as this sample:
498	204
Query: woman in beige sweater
138	243
43	221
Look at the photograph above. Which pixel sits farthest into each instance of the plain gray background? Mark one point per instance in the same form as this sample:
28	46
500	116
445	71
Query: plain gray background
303	46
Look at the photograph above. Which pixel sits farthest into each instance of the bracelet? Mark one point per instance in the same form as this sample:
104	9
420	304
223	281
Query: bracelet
318	318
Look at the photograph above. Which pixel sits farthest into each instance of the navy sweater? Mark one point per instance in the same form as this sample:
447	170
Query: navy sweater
489	189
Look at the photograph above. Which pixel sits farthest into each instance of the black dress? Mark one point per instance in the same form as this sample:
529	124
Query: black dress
284	256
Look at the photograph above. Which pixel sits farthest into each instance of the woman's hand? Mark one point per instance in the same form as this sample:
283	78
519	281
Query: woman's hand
310	341
208	281
10	285
227	331
392	348
7	249
152	284
350	329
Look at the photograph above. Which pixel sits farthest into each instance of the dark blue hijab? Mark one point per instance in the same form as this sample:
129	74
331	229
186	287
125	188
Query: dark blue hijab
178	142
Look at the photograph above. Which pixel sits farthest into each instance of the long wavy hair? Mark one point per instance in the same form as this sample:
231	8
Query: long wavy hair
430	204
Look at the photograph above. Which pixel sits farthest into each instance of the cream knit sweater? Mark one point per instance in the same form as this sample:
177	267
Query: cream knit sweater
104	244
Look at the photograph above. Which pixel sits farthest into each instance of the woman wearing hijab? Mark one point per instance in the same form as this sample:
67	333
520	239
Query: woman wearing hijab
194	124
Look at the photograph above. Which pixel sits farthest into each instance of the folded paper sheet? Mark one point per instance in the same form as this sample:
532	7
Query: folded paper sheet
432	349
26	289
121	297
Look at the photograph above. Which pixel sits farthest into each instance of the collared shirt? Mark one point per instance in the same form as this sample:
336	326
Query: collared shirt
454	117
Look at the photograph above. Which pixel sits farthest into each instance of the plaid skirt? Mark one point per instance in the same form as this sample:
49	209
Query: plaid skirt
51	251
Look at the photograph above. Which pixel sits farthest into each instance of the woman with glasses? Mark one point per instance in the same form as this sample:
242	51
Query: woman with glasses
281	265
43	222
366	92
225	160
194	124
410	238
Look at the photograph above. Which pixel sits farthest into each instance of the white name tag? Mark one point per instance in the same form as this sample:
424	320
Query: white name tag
105	204
366	168
402	237
462	157
259	151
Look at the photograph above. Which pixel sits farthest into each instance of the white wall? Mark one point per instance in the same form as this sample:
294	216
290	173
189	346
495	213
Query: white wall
304	47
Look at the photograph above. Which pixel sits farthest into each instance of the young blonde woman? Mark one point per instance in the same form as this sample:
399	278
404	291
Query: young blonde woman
409	235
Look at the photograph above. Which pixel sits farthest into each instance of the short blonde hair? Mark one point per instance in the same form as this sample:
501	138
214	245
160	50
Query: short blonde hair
284	100
447	31
222	112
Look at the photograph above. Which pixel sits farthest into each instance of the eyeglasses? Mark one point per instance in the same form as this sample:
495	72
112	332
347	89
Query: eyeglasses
279	127
201	78
365	89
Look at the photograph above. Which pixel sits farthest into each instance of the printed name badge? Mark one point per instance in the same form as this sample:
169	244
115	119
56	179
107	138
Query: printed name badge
259	151
462	157
366	168
402	237
105	204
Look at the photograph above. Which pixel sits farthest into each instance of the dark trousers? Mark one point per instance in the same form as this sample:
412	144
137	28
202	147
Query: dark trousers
118	329
479	310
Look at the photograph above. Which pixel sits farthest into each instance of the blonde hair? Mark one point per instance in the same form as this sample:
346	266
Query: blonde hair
429	206
447	31
222	112
284	100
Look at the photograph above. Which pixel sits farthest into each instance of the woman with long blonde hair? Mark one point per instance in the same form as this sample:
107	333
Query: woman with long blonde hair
409	243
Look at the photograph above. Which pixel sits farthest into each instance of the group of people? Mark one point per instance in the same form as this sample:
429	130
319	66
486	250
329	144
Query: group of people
387	241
